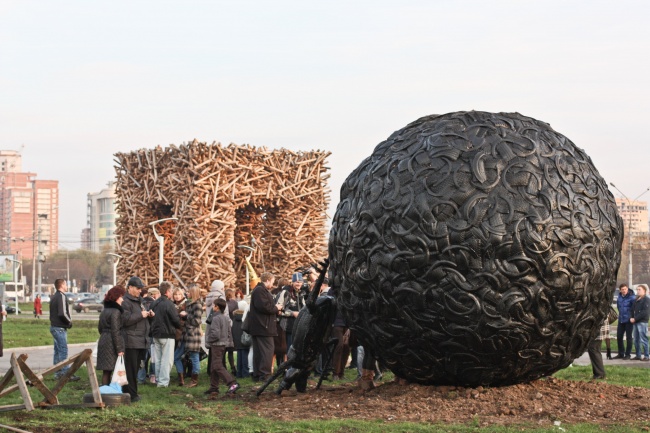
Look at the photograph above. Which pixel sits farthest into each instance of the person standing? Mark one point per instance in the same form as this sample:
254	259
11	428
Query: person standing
38	307
111	341
232	305
218	336
640	315
163	330
291	300
262	326
625	303
595	356
135	329
192	332
60	322
178	298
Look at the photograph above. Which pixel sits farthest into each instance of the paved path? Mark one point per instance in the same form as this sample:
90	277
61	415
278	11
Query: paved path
41	357
584	360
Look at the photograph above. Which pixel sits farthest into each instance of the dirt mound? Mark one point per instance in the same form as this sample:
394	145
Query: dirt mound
540	402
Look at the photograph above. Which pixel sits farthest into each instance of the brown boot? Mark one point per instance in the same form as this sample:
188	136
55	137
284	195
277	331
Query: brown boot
194	382
181	379
366	382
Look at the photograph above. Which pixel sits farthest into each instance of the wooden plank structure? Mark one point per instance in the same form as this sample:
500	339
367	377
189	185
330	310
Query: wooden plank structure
19	368
222	197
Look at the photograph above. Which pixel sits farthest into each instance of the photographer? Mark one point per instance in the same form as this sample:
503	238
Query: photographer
291	299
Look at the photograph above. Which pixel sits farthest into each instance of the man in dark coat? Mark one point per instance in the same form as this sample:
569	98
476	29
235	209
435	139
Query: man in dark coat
163	330
60	322
640	317
261	319
135	328
625	303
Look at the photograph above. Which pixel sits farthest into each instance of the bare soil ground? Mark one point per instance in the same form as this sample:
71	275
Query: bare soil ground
542	402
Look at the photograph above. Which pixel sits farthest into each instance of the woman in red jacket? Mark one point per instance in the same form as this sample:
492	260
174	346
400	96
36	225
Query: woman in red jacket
38	307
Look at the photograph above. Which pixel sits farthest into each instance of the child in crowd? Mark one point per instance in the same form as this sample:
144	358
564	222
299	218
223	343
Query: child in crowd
218	336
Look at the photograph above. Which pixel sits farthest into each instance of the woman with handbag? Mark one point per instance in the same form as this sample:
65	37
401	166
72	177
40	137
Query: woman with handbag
111	342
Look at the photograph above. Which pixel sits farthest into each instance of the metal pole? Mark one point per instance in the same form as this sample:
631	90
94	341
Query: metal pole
115	259
629	254
67	257
16	282
161	241
40	270
33	244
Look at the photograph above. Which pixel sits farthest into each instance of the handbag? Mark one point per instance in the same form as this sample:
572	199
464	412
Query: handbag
613	315
119	372
202	355
246	339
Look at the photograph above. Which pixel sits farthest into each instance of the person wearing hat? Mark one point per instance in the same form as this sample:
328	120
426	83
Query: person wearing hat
135	328
291	300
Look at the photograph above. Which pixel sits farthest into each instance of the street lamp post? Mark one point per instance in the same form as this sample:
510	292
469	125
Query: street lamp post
161	241
248	275
629	236
114	259
18	264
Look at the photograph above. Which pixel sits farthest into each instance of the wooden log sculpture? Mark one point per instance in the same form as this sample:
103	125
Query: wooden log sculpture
475	249
222	196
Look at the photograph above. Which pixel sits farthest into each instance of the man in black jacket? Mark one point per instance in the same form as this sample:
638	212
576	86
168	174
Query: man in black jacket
135	328
640	316
60	322
262	326
163	330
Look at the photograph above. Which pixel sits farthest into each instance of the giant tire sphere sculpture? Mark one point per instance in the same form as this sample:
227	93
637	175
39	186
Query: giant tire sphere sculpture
475	248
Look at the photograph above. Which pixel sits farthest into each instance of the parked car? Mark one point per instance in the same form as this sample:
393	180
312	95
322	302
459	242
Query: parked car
45	298
88	304
71	297
10	309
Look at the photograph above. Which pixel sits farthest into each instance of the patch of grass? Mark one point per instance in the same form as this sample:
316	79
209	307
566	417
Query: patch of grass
618	375
36	332
187	410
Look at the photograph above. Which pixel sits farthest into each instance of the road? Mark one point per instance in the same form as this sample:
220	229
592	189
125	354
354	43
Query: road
46	315
40	357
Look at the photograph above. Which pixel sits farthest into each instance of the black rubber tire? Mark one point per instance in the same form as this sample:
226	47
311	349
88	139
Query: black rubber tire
109	399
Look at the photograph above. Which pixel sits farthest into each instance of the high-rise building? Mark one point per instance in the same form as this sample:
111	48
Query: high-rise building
27	206
634	215
101	219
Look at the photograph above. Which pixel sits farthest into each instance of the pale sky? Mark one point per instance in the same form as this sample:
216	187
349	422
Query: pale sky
81	80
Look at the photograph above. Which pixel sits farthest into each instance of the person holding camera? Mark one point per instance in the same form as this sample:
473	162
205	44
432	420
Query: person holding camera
291	300
163	330
135	328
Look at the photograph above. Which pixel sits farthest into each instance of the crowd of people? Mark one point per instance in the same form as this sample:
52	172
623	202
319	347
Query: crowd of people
158	329
631	331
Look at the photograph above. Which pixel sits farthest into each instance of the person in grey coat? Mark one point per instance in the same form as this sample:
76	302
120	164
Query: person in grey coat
218	336
111	341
